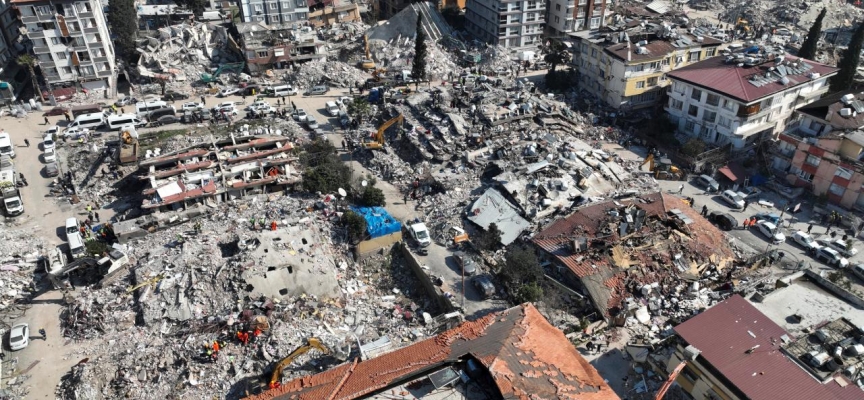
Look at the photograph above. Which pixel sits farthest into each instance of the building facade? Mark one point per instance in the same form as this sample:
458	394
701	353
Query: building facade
507	23
631	74
70	41
330	15
743	100
268	47
274	12
566	16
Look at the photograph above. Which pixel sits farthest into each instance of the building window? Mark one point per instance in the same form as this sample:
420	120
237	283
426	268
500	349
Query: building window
729	105
640	84
676	104
836	189
652	81
286	17
678	88
83	56
709	116
813	160
766	103
693	110
816	126
694	56
805	176
259	8
263	54
55	40
557	7
689	374
88	70
725	122
664	62
274	6
689	125
696	94
556	19
712	99
66	70
843	173
593	53
711	52
60	55
595	22
42	10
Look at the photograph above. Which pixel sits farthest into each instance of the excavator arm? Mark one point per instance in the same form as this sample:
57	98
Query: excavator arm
668	383
379	137
650	161
311	343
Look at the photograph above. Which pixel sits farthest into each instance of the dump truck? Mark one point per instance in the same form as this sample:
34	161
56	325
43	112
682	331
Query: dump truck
12	202
128	145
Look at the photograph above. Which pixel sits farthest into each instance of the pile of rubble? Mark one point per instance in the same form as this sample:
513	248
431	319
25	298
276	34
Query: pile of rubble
182	52
331	73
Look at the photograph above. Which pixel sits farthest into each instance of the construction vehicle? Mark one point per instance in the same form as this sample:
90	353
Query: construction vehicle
311	343
669	380
742	24
662	168
148	282
379	137
228	67
378	74
128	145
367	63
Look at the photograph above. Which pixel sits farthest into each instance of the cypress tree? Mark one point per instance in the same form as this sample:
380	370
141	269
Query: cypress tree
808	48
123	20
849	62
418	70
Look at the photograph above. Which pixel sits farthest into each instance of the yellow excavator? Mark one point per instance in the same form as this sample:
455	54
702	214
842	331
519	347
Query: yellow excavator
367	63
379	137
742	23
311	343
662	168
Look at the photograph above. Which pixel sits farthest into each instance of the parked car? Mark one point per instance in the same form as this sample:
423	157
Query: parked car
51	170
344	101
299	115
845	249
484	286
264	109
311	122
48	142
49	156
466	263
168	119
173	96
192	106
52	130
316	90
831	257
73	133
733	199
19	336
724	221
126	101
858	270
257	103
227	92
806	241
770	217
771	232
708	183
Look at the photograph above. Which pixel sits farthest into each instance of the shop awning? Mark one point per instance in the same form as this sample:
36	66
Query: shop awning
733	171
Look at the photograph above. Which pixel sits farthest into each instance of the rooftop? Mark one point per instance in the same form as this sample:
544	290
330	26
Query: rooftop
524	355
749	84
656	47
828	109
728	335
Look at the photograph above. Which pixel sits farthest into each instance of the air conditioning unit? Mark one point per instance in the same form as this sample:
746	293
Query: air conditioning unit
784	81
846	112
848	99
814	75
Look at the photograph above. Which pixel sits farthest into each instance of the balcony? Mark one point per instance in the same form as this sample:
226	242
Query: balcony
41	49
37	34
100	59
105	74
91	30
782	152
583	2
82	15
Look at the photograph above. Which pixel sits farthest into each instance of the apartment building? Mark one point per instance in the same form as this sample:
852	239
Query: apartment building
567	16
743	99
274	12
267	47
628	69
70	41
507	23
331	13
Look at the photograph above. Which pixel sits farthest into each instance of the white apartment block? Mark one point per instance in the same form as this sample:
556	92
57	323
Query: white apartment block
742	100
567	16
508	23
275	12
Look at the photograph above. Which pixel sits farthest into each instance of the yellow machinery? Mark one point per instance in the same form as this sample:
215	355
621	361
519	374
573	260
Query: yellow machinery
668	383
367	63
151	281
311	343
379	137
663	168
742	23
376	75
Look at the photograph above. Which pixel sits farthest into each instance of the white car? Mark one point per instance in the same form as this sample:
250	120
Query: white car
733	199
263	109
19	337
841	247
192	106
806	241
257	104
771	232
74	133
300	115
831	257
228	108
228	92
344	101
311	122
52	130
49	156
48	142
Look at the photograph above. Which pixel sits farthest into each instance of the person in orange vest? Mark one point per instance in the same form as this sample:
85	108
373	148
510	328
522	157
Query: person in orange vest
215	346
257	332
273	225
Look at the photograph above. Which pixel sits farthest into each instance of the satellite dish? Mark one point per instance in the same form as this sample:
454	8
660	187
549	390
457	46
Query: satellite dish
342	192
364	183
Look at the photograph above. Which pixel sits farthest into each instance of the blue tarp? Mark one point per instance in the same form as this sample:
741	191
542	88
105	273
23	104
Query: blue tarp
378	221
757	180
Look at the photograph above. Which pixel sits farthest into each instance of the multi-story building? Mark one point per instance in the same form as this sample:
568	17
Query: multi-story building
630	71
508	23
267	47
330	13
71	42
743	99
274	12
566	16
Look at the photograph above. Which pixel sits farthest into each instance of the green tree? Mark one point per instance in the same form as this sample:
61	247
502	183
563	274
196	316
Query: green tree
521	267
359	109
418	68
528	293
123	20
26	60
490	239
372	197
808	48
356	225
196	6
325	172
849	62
693	147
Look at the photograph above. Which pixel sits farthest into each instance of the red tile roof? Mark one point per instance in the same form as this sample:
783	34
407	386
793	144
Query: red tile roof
526	356
726	331
731	80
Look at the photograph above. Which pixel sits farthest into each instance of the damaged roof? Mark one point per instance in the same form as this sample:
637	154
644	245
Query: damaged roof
526	356
724	333
493	208
828	109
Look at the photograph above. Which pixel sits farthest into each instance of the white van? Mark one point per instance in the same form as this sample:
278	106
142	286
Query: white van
76	245
283	90
90	121
6	147
143	108
71	226
119	121
332	108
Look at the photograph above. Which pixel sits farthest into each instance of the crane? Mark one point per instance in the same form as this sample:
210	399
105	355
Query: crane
311	343
669	380
379	137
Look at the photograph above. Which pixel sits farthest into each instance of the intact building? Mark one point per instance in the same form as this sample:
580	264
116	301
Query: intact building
566	16
274	12
71	42
744	97
507	23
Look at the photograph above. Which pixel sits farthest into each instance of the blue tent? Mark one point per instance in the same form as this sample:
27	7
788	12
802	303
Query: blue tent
378	221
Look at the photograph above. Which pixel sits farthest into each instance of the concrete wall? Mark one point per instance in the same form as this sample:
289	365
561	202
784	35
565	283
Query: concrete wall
433	291
834	289
368	247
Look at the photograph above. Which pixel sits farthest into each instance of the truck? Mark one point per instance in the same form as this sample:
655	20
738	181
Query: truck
11	196
128	145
